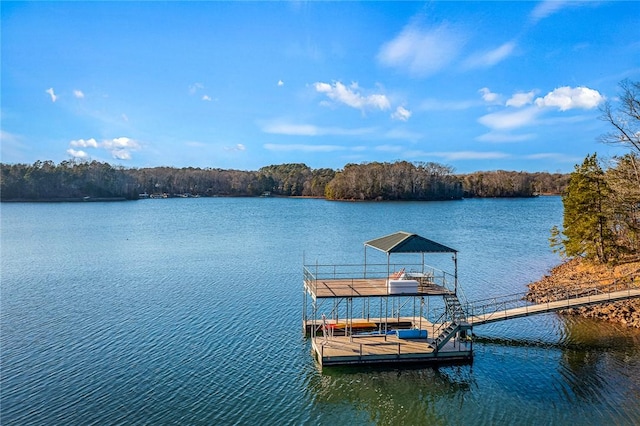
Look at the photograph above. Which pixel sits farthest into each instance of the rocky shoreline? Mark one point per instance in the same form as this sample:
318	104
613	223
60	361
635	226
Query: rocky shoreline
576	274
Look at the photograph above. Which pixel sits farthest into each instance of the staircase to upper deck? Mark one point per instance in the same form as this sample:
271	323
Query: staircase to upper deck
458	322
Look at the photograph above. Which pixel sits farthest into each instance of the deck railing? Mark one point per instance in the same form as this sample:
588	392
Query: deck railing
494	305
319	272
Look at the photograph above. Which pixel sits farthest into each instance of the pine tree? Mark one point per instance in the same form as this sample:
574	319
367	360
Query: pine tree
586	213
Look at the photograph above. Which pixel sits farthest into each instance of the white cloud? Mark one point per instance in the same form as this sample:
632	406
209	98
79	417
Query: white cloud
121	154
206	98
236	147
280	83
77	153
554	156
421	52
566	98
521	99
303	147
284	128
546	8
119	148
78	94
291	129
488	95
509	120
195	87
490	58
563	98
350	96
401	113
88	143
497	137
51	93
121	142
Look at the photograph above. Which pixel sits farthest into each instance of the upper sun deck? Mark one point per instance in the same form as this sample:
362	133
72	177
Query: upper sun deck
375	280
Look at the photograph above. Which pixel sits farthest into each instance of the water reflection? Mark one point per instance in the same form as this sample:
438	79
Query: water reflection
394	395
601	360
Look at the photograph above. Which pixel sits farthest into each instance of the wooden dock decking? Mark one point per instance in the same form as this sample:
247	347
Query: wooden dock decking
379	349
365	287
358	347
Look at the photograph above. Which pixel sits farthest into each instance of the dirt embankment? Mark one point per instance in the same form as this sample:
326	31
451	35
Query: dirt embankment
576	276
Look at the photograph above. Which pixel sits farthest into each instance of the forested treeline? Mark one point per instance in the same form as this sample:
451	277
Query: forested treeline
395	181
503	183
44	180
401	180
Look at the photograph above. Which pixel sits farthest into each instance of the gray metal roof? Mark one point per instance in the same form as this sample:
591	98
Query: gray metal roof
405	242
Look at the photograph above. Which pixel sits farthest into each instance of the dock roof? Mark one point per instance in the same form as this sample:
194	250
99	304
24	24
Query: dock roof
405	242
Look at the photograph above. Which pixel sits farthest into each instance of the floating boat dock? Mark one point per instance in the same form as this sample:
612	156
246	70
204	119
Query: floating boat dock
409	312
377	313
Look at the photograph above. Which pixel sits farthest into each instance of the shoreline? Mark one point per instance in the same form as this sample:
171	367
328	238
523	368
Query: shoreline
579	273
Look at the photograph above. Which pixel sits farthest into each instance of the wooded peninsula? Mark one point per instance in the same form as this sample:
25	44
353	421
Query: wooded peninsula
401	180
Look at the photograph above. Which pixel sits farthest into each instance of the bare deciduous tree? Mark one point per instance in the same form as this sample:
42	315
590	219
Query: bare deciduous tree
625	118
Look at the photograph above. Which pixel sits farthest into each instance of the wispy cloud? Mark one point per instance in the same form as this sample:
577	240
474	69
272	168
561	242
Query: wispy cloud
293	129
546	8
401	113
491	57
521	99
421	51
352	96
236	147
498	137
195	87
509	119
489	96
52	94
79	94
303	147
280	83
554	156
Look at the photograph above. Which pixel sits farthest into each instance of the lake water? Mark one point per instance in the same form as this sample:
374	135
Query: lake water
188	311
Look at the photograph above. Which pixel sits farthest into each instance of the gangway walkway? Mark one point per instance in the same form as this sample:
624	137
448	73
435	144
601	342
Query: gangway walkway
516	306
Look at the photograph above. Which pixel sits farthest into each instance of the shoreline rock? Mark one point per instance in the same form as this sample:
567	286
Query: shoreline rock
576	275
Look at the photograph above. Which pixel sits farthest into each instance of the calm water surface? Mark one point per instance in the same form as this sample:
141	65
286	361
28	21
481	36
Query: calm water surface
188	311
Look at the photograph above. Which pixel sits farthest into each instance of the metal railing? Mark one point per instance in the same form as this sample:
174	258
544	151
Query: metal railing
485	308
320	272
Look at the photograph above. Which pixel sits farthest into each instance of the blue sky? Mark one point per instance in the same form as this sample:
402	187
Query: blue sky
241	85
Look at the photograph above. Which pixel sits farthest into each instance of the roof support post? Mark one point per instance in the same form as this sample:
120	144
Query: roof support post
455	273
